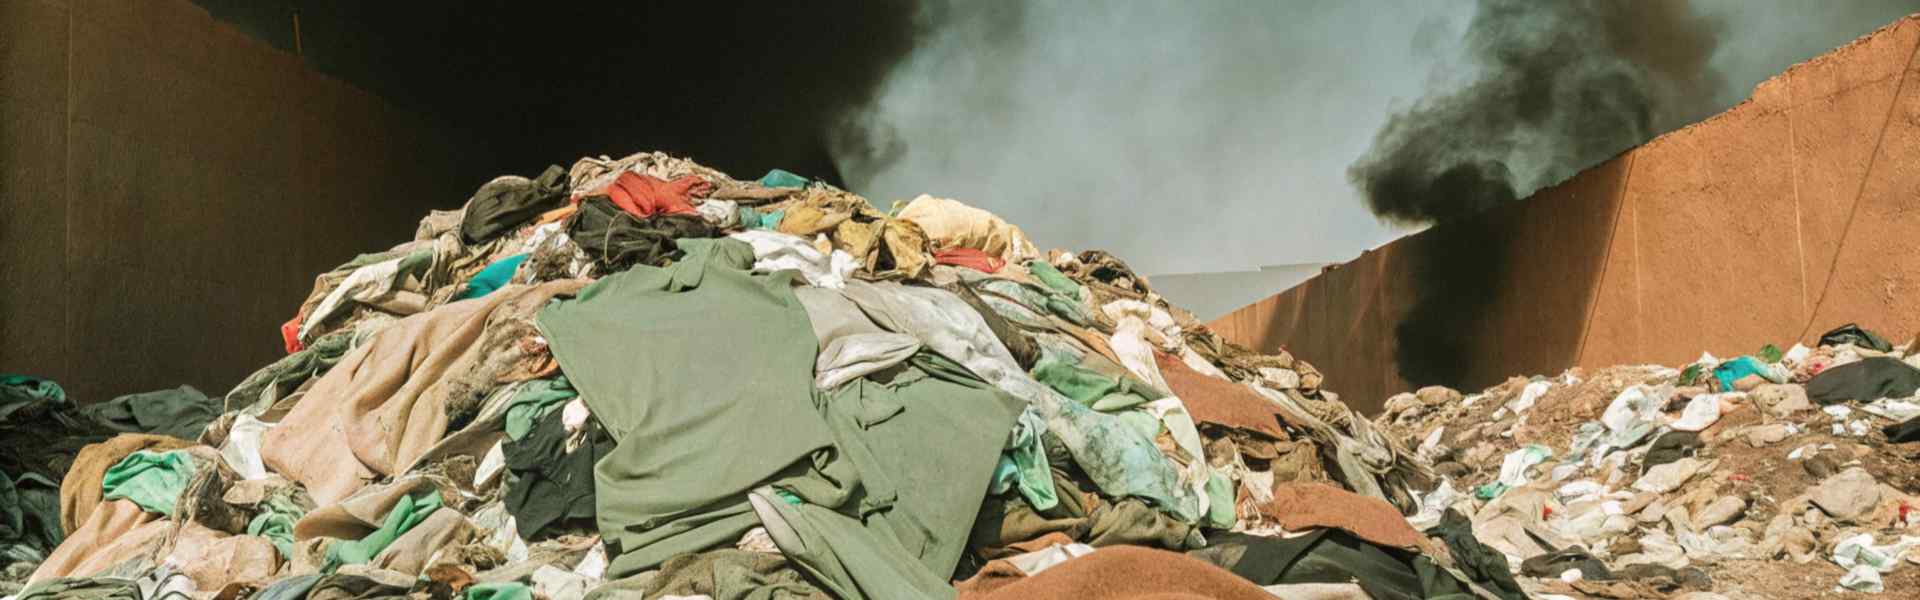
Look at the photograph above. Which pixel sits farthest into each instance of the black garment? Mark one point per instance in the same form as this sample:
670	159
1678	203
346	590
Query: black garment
617	240
1662	577
1335	556
1852	334
1487	567
182	412
503	204
1552	564
1865	381
549	484
1908	431
354	587
1670	446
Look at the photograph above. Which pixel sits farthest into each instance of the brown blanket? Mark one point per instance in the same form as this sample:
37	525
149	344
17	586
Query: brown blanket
1213	400
1119	573
385	403
1300	506
80	489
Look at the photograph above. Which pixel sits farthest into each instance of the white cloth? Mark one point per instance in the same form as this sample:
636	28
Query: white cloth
853	356
242	448
775	251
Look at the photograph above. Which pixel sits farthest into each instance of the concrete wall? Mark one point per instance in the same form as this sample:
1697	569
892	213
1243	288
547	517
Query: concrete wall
1783	217
169	187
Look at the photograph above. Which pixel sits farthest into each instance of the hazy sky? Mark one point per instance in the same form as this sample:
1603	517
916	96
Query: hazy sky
1207	136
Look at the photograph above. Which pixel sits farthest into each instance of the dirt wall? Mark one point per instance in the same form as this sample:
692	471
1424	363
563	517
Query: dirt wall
1783	217
168	186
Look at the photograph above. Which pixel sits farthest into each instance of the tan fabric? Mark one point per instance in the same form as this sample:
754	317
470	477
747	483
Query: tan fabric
409	554
385	403
1302	506
115	531
213	559
952	224
80	489
357	516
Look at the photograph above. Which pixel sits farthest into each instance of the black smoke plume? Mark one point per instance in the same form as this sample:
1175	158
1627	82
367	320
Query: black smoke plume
1561	86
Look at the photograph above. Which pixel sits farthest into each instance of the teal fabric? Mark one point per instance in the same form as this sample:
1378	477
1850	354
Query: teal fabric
406	514
492	278
275	522
780	178
152	480
1053	278
1737	369
1040	300
1025	461
754	219
886	517
505	590
703	374
1095	390
533	401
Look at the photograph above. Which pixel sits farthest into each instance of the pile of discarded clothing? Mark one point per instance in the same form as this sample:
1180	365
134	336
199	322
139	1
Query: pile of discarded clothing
1781	474
641	378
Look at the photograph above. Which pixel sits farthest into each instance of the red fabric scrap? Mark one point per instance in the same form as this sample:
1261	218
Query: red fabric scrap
290	334
971	258
645	195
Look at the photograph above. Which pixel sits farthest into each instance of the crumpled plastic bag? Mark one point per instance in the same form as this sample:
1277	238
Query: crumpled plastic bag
1633	414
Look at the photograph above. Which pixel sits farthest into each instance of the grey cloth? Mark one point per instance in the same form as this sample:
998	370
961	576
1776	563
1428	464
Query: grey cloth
1122	461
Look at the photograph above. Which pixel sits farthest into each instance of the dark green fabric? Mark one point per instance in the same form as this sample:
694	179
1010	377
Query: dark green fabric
703	374
781	178
729	574
503	204
533	400
82	588
150	479
492	277
407	513
271	383
1853	333
29	518
17	391
1485	565
889	518
182	412
1335	556
616	240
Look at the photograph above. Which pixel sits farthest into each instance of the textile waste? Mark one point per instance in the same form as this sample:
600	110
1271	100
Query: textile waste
643	378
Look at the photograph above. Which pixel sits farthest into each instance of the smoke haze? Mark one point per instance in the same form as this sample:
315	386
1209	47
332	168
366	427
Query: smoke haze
1193	137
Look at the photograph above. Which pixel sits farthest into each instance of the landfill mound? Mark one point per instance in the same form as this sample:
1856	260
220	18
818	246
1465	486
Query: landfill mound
1774	475
642	378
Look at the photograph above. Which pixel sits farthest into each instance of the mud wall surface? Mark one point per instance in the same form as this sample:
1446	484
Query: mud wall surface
1789	214
169	187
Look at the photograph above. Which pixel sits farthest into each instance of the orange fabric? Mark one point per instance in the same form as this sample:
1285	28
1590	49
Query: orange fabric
969	258
558	213
1218	401
645	195
290	334
1299	506
1116	573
